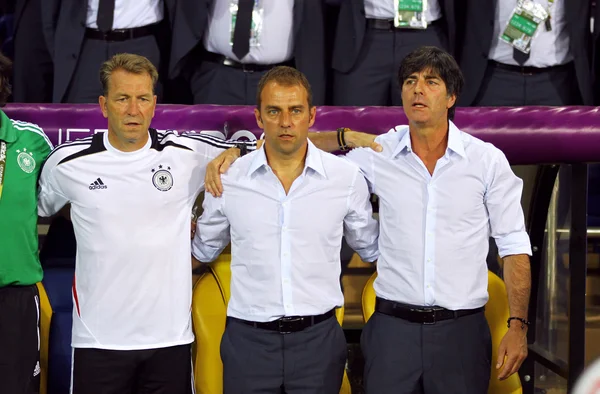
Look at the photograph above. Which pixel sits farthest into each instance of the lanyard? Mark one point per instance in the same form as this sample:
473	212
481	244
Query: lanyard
2	164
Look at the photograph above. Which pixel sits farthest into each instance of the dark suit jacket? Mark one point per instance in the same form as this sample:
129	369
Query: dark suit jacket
352	26
64	29
477	21
190	17
19	7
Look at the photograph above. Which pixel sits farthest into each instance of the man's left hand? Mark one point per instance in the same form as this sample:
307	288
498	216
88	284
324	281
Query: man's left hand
514	347
357	139
214	169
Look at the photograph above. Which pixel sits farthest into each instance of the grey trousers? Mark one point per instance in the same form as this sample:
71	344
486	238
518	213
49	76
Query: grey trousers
448	357
213	83
85	86
311	361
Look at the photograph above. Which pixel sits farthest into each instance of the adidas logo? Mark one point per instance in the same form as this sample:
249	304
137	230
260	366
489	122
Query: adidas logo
37	369
97	184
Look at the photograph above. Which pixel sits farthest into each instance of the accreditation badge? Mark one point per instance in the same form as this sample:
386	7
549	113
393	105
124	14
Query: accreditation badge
410	14
523	24
255	27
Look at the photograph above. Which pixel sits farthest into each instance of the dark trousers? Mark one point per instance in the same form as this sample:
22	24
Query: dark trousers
255	360
19	340
448	357
85	86
34	70
556	87
213	83
373	80
152	371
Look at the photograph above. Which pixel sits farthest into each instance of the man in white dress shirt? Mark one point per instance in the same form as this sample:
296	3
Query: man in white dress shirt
442	194
285	209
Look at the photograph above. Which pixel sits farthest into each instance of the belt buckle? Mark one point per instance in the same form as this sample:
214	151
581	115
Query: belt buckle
432	320
525	72
246	70
229	62
285	324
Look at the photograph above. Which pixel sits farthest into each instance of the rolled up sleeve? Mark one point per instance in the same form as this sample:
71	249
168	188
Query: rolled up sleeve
503	202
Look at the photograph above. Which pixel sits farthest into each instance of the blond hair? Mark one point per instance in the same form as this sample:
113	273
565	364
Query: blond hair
129	62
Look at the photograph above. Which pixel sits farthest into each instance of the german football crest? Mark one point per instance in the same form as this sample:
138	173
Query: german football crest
162	178
25	160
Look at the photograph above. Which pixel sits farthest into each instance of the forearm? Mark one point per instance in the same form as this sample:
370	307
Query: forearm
517	277
326	140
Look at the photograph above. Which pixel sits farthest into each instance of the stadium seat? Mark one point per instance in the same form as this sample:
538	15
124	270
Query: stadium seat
209	312
45	317
57	309
496	313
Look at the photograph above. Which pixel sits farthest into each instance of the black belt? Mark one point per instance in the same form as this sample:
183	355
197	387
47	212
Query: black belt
289	324
527	70
121	34
422	315
225	61
388	24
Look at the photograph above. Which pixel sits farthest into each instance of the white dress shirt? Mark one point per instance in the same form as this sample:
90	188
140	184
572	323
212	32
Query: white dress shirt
285	249
435	229
276	40
384	9
548	48
128	13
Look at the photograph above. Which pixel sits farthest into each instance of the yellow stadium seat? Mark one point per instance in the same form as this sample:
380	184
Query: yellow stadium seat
209	312
496	313
45	317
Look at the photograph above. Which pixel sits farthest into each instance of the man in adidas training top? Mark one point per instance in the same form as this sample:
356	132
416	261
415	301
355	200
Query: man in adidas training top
131	192
23	148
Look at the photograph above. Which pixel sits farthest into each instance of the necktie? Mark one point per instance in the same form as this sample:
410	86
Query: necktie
520	57
106	13
243	23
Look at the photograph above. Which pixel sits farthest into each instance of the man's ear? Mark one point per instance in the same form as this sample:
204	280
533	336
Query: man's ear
451	101
102	102
259	121
313	116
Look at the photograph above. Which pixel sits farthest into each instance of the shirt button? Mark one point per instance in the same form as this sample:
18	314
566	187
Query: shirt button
284	228
285	254
288	306
286	281
429	260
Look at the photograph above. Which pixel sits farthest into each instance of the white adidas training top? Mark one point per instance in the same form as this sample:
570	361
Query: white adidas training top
131	215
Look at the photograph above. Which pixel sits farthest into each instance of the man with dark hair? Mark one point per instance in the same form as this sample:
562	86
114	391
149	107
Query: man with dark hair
442	194
281	333
23	148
